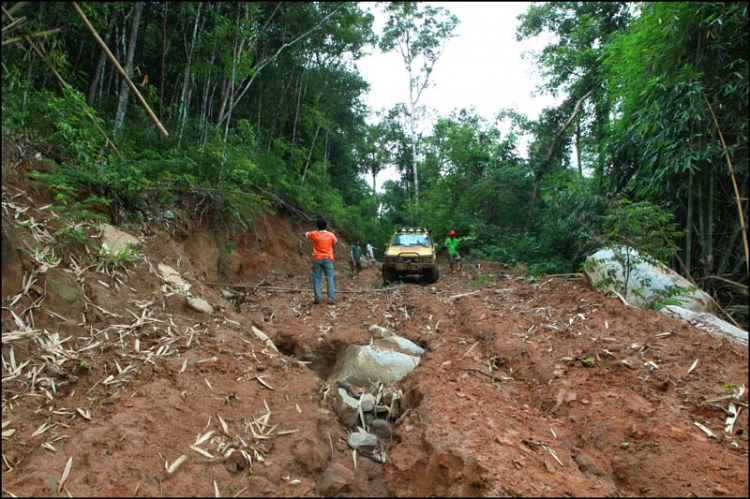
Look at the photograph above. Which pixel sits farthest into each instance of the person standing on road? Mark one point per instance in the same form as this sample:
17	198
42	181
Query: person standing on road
356	254
370	249
323	242
452	244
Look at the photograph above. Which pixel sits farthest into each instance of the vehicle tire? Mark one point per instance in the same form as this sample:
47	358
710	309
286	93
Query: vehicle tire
432	275
389	274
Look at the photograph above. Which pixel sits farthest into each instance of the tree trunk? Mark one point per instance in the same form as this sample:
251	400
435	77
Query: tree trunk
309	156
163	50
413	137
124	88
710	229
186	92
550	151
296	117
689	235
578	147
100	63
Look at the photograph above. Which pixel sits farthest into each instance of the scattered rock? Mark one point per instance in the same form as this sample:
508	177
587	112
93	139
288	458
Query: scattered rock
368	402
586	463
117	240
227	294
173	277
112	399
63	290
382	428
335	479
362	440
340	446
51	482
12	266
380	332
312	456
200	305
346	407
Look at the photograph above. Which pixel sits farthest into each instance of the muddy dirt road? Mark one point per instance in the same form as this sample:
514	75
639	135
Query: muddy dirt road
532	388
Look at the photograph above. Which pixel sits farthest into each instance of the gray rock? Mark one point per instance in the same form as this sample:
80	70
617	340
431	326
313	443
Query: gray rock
400	344
380	332
368	402
51	482
362	364
382	428
117	240
200	305
63	290
345	406
362	440
173	277
12	266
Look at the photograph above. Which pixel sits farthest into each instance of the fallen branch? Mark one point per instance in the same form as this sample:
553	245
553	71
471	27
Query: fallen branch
462	295
493	378
295	290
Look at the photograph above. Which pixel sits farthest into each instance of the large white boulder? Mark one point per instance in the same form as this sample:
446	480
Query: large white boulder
648	284
707	322
362	364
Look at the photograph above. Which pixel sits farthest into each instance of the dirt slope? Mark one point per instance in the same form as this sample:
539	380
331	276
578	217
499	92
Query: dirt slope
501	403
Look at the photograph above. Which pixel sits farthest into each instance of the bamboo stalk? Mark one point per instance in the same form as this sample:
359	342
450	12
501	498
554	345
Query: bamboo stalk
734	184
33	35
61	81
119	69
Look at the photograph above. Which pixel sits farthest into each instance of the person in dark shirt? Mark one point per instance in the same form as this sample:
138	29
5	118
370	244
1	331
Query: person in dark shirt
356	254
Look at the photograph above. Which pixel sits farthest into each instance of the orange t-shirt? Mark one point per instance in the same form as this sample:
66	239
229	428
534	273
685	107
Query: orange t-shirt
323	242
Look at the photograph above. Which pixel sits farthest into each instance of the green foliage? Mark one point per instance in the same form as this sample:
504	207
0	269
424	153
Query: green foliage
116	260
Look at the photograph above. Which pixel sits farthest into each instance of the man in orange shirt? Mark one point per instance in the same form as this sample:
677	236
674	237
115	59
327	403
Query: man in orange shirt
323	242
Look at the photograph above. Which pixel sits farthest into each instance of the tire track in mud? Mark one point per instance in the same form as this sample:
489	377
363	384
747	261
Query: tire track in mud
549	425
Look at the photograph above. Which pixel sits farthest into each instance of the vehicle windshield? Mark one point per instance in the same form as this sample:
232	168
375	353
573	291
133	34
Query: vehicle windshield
411	240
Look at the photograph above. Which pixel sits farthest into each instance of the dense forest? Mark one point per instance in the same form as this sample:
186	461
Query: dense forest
232	108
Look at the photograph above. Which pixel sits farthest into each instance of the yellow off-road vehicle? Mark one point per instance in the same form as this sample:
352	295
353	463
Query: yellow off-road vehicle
411	251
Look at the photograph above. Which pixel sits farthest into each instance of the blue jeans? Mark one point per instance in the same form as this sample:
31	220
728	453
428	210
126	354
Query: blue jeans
319	266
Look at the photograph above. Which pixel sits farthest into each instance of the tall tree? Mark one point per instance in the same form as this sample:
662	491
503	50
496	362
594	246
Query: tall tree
122	103
420	34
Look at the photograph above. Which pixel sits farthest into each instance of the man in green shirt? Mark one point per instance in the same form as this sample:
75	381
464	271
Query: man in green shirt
452	243
356	254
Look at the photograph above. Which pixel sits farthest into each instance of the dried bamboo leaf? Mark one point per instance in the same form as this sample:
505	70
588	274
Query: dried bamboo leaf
223	425
204	437
202	451
173	467
216	490
65	474
695	363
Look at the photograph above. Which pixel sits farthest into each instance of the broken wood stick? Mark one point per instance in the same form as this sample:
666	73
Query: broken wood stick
296	290
462	295
493	378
